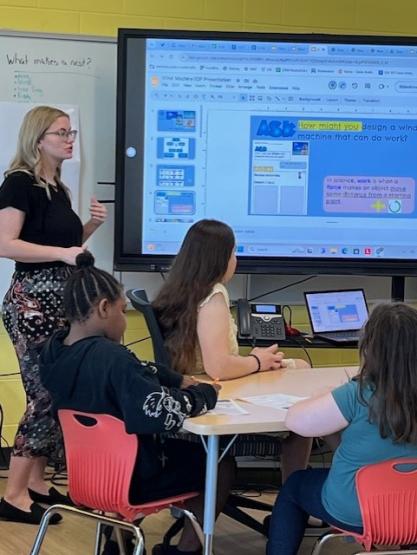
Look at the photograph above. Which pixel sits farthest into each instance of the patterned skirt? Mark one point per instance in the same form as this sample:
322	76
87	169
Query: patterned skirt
32	311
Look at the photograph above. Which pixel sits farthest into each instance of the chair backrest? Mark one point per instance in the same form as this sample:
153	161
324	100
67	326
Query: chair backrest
140	301
387	495
100	458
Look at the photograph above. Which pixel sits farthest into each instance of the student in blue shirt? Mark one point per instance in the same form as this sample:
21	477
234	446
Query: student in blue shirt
376	416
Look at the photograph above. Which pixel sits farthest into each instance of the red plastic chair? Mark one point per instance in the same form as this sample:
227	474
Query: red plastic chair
100	458
388	501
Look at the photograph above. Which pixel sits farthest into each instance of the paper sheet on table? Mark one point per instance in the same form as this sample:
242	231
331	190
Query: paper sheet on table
228	408
274	401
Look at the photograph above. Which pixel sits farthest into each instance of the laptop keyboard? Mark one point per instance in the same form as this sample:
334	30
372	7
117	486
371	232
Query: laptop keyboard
346	335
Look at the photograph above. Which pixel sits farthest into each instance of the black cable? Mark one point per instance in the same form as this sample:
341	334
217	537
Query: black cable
292	284
292	338
287	306
162	276
59	478
11	374
137	341
2	438
5	441
253	489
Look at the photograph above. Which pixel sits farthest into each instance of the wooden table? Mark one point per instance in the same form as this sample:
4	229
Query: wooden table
304	383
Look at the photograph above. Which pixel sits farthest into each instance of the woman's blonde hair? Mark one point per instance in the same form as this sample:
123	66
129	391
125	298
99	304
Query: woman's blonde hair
28	157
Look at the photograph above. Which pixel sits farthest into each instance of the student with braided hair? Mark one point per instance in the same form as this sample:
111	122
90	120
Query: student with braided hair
85	368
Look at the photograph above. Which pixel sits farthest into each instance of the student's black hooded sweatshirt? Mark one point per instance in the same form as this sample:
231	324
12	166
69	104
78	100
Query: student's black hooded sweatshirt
100	376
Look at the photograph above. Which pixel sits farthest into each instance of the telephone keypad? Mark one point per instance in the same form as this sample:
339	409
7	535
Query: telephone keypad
268	328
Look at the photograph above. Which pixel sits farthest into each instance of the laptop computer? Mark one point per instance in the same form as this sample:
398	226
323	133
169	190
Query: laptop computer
337	316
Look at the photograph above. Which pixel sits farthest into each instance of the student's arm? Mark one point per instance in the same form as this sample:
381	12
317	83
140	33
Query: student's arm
11	223
318	416
168	377
150	408
213	335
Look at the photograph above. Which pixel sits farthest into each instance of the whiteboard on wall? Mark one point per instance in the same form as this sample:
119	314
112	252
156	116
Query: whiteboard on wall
76	71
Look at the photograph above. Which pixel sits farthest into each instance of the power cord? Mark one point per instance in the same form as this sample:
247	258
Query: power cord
293	333
289	330
137	341
292	284
301	346
59	478
3	439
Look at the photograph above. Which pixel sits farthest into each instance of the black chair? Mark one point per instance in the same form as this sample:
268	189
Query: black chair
235	503
140	301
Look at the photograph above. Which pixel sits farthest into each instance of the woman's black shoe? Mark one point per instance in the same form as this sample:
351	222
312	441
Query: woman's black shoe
34	516
53	497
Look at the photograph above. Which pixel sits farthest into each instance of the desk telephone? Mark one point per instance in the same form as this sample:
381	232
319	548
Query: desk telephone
260	321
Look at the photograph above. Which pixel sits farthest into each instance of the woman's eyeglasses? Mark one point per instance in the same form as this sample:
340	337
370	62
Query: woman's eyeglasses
64	134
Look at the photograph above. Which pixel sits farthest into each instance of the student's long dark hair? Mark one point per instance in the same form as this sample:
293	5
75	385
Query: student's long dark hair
86	286
388	352
200	264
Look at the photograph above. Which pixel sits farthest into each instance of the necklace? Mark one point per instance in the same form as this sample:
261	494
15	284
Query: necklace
54	185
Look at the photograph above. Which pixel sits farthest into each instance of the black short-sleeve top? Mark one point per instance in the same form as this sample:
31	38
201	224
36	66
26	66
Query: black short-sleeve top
51	222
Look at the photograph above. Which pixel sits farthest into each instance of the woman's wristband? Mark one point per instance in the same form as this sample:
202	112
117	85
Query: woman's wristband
258	360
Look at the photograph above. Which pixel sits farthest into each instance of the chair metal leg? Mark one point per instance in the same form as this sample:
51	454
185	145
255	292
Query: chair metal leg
322	540
196	525
120	541
140	543
43	526
99	518
97	543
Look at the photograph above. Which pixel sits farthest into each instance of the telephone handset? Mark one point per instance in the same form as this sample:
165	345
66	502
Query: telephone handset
260	321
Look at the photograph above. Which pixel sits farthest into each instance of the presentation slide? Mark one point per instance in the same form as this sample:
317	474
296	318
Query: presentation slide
305	149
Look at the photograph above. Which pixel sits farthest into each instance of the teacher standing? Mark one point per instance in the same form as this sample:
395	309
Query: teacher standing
41	232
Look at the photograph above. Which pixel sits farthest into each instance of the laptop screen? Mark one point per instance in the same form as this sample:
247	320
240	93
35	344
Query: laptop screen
336	310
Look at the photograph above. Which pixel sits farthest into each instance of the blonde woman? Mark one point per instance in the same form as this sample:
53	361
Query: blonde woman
43	235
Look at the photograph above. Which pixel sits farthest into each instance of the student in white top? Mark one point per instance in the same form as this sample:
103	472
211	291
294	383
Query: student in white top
193	310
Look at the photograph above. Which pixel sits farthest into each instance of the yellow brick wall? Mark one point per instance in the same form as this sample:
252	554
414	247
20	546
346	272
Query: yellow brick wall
103	17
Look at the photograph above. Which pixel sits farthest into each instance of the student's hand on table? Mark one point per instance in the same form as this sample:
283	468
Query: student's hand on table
270	357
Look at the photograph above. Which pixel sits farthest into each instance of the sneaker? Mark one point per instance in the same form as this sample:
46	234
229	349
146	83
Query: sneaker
13	514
